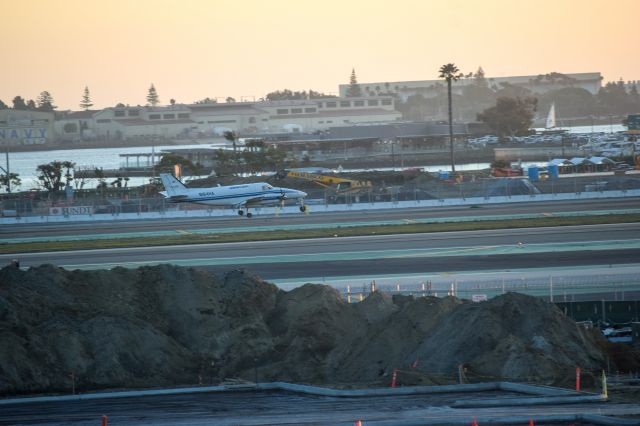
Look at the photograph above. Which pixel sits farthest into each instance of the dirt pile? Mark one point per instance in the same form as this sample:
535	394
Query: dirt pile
167	325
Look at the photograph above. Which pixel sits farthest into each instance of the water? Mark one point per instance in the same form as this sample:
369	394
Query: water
25	163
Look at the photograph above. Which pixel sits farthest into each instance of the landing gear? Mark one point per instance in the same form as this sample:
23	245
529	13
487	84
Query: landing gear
249	214
303	208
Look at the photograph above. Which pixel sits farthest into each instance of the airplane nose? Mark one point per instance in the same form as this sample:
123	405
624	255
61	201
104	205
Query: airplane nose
302	194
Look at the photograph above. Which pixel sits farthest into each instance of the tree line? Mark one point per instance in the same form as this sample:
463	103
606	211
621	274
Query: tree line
480	93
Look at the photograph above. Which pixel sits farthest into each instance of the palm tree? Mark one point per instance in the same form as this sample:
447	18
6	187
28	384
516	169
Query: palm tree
232	137
450	73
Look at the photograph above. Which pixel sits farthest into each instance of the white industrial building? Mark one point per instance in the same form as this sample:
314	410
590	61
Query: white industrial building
590	81
213	119
134	122
24	127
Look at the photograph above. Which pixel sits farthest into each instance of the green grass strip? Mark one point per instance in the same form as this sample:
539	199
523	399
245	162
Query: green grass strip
329	232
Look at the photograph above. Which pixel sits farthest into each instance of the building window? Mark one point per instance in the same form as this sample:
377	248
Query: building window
320	104
265	119
310	110
332	104
103	120
372	102
345	104
296	110
252	120
329	121
282	111
345	121
118	113
358	103
183	115
168	116
321	122
387	102
134	113
154	116
221	121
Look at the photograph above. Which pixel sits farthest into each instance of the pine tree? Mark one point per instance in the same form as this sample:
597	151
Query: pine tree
85	103
479	78
19	103
354	89
3	105
45	102
152	96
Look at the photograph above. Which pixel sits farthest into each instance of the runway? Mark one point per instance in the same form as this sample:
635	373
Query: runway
441	258
379	254
267	220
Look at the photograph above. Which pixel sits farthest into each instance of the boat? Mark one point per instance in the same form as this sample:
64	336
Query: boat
551	118
550	126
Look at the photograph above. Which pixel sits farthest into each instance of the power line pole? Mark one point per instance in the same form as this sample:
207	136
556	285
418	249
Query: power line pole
6	171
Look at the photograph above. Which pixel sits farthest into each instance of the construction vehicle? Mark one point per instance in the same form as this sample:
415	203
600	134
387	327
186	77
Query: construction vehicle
338	184
506	171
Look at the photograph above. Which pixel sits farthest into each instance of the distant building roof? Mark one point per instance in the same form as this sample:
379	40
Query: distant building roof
80	115
397	130
559	162
599	160
337	113
141	122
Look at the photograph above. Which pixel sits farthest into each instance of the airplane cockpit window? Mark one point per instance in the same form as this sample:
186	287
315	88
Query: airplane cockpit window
266	187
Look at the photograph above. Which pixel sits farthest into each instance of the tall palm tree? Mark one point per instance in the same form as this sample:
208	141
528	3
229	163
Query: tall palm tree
232	137
450	73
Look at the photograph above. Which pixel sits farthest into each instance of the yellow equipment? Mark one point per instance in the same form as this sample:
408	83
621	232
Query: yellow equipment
340	185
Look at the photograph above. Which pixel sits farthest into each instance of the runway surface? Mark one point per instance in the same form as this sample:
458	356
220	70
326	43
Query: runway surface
440	258
383	254
84	230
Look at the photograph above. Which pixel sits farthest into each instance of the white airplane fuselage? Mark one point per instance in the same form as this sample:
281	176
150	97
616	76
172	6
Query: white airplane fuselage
239	197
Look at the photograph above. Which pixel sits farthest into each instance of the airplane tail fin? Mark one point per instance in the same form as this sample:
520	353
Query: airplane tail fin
173	186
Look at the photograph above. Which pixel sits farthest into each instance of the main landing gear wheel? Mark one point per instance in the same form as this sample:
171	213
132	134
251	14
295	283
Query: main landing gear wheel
249	215
241	212
303	209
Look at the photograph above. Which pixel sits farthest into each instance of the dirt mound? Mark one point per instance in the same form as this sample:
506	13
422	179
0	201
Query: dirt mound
167	325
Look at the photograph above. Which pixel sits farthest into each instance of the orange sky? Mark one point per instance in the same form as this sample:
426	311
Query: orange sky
192	49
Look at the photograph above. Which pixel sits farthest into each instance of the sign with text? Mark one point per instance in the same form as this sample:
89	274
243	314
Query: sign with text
70	211
479	298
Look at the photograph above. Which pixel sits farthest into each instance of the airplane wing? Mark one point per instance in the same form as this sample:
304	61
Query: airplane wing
255	201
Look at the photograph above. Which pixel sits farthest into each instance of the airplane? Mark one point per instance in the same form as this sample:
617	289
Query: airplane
239	197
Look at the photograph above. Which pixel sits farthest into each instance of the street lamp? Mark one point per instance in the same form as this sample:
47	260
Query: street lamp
7	170
610	123
393	153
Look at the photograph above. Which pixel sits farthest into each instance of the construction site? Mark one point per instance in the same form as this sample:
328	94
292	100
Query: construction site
78	332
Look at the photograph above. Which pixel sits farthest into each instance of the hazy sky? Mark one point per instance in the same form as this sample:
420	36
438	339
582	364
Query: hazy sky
192	49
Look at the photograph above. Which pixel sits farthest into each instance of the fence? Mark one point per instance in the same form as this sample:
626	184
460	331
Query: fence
614	298
139	200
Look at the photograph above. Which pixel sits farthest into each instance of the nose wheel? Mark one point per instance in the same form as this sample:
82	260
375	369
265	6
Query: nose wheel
303	208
